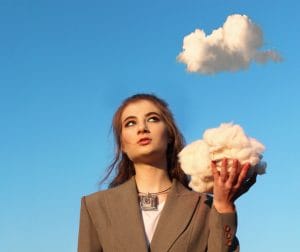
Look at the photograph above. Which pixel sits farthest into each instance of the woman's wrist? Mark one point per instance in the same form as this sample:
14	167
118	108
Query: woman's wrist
224	208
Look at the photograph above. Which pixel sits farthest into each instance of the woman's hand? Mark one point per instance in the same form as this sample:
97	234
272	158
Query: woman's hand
228	186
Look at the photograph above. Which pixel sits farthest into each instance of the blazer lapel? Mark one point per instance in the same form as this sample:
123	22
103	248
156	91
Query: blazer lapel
126	218
175	216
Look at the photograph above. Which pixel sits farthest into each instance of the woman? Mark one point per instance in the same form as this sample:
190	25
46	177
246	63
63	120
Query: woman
149	206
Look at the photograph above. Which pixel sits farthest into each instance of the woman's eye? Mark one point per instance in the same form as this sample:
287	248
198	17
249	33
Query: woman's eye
129	123
153	119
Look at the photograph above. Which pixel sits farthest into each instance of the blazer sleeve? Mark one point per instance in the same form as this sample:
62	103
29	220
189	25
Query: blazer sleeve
222	232
87	238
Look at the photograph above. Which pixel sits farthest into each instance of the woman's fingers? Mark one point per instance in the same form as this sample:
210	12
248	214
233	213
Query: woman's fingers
243	174
226	176
246	186
224	172
230	185
215	172
233	175
236	177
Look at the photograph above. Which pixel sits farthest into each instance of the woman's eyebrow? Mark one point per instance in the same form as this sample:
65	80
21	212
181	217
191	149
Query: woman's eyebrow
128	118
152	113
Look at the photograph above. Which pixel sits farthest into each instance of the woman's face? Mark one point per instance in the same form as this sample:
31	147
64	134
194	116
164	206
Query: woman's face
144	136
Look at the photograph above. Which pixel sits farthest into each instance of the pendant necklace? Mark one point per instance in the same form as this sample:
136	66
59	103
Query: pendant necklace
149	201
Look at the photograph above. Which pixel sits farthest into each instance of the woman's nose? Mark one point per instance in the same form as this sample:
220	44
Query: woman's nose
143	127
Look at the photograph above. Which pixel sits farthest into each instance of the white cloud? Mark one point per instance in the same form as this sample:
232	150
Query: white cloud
227	141
229	48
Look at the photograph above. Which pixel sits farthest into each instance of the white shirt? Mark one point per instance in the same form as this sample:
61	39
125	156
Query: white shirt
150	219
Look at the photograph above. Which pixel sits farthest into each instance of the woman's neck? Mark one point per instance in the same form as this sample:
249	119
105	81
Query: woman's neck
151	178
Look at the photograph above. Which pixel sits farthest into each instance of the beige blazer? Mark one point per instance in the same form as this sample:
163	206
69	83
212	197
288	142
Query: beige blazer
111	221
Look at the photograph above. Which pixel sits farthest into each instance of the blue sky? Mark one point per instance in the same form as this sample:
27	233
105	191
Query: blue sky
65	66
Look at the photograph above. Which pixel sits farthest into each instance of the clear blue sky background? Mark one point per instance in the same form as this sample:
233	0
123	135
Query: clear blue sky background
66	65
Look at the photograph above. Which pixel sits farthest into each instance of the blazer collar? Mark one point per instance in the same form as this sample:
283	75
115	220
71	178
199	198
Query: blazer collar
128	222
175	216
126	217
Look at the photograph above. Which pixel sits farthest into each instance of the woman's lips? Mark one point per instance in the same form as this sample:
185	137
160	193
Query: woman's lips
144	141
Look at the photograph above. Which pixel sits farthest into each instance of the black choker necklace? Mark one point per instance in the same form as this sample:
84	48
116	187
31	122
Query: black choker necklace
149	201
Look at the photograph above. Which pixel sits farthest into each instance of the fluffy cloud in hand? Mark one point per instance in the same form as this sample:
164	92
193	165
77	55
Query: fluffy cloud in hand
227	141
229	48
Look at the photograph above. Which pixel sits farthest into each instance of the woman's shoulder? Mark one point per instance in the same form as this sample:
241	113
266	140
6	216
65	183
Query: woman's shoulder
109	192
97	195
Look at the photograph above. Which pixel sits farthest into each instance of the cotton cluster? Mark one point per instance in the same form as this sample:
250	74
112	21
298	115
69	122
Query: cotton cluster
227	141
229	48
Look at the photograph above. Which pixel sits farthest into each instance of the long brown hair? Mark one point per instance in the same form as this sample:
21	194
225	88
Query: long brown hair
124	166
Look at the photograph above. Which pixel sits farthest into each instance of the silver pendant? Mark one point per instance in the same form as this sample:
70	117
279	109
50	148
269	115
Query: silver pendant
148	202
